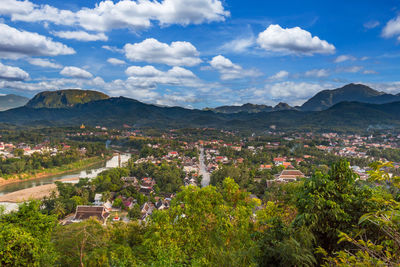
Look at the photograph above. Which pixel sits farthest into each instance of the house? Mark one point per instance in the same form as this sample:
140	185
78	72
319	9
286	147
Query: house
85	212
129	181
172	154
287	165
97	200
289	175
147	210
279	161
265	167
148	181
161	205
146	190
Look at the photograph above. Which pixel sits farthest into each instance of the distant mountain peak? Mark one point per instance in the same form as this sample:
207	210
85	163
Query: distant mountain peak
350	92
282	106
64	98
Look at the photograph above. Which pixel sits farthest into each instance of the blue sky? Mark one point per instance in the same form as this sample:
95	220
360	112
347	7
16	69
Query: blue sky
199	53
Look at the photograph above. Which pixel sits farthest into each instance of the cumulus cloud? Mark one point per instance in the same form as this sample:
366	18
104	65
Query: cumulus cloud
153	51
75	72
116	61
343	58
81	36
131	14
392	28
229	70
150	77
292	91
318	73
9	7
293	41
15	44
12	73
44	63
280	75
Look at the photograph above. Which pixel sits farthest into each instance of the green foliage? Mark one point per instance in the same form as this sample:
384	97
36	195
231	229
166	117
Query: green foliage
64	98
204	227
371	250
134	213
25	237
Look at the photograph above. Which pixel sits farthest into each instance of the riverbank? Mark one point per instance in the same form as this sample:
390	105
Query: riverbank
73	167
38	192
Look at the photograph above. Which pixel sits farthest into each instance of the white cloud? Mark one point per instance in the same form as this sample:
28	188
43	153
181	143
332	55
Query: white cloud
352	69
113	49
116	61
150	77
75	72
293	41
318	73
239	45
108	15
44	63
371	24
81	36
229	70
392	28
153	51
291	91
369	72
12	73
343	58
9	7
15	44
279	75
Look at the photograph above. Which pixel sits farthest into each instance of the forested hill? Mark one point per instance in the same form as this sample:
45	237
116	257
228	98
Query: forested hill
64	98
120	110
350	92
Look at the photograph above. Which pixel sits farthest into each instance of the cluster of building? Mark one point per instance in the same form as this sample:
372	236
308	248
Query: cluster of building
7	150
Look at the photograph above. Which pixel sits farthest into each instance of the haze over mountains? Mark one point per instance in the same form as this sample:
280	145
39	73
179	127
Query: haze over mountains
321	101
12	101
327	110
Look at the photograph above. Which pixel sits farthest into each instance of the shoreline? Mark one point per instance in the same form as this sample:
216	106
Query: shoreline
37	192
42	175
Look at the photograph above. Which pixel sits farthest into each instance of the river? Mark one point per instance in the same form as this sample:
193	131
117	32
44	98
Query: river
91	172
203	170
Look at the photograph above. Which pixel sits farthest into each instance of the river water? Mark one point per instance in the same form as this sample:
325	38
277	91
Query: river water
91	172
203	170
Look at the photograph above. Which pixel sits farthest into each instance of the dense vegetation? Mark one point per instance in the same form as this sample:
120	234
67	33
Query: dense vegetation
330	219
64	98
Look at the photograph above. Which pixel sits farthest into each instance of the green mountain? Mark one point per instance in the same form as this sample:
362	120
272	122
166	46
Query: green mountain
250	108
117	111
64	98
12	101
350	92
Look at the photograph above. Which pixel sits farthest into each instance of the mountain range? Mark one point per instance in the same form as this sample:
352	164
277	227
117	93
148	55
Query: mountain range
74	107
321	101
